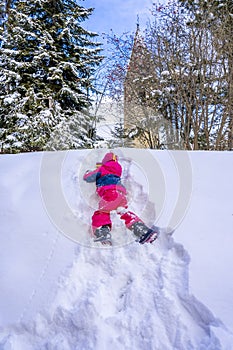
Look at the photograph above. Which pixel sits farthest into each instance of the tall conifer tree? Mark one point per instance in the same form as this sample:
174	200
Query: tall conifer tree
47	61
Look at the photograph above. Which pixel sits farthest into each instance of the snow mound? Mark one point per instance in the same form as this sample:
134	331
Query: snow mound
62	294
134	297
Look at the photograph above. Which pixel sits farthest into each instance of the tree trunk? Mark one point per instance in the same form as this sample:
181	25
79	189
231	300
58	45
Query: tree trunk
230	103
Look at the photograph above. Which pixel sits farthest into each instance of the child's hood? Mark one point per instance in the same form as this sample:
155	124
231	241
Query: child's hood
110	156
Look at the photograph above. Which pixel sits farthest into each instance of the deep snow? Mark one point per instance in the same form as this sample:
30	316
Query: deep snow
61	291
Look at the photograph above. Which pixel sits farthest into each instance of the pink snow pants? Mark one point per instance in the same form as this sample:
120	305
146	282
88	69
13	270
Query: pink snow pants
111	198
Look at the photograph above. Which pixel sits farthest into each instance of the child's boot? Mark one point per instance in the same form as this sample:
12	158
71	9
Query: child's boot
144	233
103	235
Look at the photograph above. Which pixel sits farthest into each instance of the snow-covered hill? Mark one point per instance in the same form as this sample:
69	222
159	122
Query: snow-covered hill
60	291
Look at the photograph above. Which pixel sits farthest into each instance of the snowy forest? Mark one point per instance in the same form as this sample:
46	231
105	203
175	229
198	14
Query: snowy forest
54	73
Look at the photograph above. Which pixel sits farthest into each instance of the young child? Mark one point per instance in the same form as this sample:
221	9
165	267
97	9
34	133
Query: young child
113	196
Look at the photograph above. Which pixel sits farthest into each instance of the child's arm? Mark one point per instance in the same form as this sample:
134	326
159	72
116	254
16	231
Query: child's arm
90	176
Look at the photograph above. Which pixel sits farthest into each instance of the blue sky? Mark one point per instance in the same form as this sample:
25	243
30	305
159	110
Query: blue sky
118	15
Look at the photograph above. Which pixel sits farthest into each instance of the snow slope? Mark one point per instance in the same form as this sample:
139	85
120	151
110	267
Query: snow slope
61	291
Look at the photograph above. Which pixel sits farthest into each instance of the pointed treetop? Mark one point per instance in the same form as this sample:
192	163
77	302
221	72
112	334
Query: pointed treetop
137	23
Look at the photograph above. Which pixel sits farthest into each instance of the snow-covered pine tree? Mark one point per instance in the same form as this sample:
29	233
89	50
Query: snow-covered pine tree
119	136
47	62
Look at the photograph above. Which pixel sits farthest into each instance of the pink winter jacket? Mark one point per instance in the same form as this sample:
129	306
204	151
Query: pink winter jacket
106	177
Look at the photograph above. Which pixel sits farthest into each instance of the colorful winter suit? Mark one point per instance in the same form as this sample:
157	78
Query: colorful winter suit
112	193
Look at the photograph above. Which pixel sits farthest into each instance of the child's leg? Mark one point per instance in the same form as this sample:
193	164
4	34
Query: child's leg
111	200
128	216
137	226
100	218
